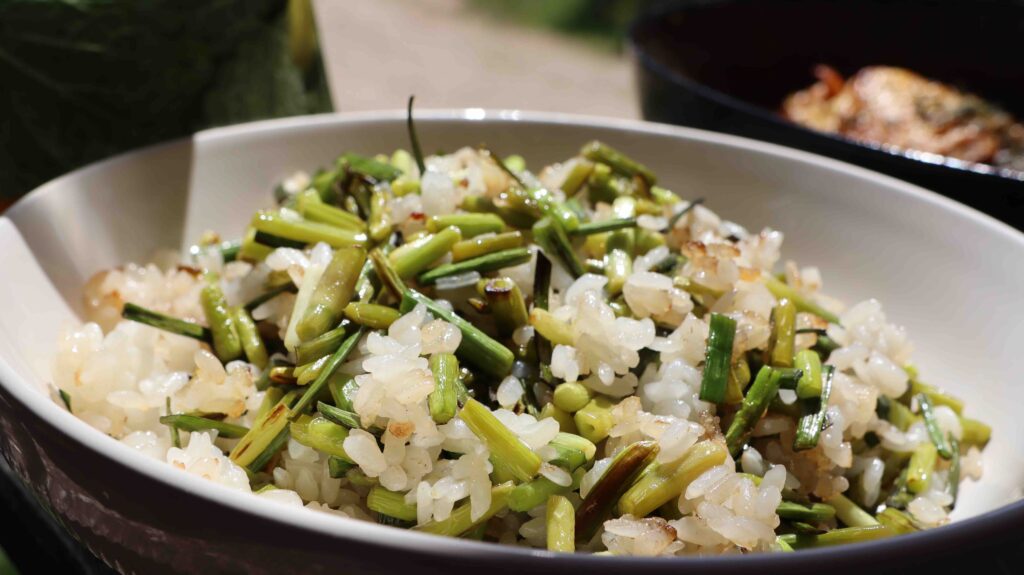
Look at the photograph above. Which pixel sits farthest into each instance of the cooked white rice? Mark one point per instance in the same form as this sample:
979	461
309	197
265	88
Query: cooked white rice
120	376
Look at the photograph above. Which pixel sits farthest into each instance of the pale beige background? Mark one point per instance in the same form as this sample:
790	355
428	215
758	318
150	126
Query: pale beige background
378	52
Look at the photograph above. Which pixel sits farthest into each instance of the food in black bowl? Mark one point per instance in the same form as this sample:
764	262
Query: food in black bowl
898	108
730	65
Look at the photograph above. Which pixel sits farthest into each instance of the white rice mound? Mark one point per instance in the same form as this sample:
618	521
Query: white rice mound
121	374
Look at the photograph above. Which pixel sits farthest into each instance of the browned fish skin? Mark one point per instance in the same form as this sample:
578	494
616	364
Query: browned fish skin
894	106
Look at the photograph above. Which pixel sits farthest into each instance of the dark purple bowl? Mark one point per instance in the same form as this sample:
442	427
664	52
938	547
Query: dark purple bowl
727	65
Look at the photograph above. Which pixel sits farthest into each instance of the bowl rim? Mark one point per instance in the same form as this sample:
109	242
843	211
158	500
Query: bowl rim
971	530
635	46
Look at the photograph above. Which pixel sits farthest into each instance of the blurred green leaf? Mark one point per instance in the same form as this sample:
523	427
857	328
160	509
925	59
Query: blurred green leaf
85	79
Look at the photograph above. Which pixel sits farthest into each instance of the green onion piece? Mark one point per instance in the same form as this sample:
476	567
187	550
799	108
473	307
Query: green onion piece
576	177
974	432
809	363
601	186
333	292
817	512
414	141
508	307
898	522
808	428
249	334
307	232
169	324
599	152
618	266
337	415
932	424
789	377
528	495
781	290
460	520
412	258
369	167
739	378
357	478
310	351
515	163
476	347
321	434
572	451
306	374
482	264
936	395
664	483
850	513
623	471
371	315
283	374
273	448
595	420
338	467
900	496
550	235
380	217
269	295
591	228
262	436
175	436
335	360
390	503
551	328
343	388
718	358
895	413
226	342
251	250
312	208
559	213
564	419
647	240
664	197
919	470
760	394
479	246
325	184
679	215
953	479
516	216
272	241
561	524
842	536
272	397
443	401
506	449
697	289
470	225
198	423
572	396
66	398
783	334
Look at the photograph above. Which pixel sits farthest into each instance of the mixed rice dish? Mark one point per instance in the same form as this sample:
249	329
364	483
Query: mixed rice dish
572	358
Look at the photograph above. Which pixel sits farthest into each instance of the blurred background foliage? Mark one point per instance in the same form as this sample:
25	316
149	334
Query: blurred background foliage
86	79
602	22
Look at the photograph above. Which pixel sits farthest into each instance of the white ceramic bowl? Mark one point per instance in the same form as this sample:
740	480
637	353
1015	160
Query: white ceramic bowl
949	274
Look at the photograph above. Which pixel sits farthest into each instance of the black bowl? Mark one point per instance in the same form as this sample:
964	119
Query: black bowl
727	65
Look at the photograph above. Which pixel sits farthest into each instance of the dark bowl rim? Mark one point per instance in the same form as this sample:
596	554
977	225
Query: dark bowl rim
993	525
634	45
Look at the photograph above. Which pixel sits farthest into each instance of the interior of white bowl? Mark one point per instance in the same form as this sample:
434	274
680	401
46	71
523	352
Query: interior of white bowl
947	273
